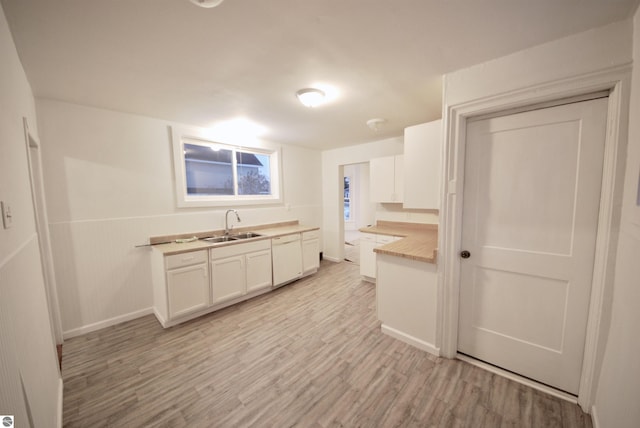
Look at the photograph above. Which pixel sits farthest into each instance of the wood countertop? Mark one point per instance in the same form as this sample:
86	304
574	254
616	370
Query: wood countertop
419	241
167	245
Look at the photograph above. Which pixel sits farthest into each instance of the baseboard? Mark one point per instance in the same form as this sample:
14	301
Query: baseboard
106	323
413	341
594	417
333	259
60	402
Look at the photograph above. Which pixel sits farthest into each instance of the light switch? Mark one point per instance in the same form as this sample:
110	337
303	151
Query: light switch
7	217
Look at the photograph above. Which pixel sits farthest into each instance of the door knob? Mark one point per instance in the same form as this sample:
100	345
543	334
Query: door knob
465	254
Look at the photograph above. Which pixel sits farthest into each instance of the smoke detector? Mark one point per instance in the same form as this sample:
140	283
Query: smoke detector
376	124
206	3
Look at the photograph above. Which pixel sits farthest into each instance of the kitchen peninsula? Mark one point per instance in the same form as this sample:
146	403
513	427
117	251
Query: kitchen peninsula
406	284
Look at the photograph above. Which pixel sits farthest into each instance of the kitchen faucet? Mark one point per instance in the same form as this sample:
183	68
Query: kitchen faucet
227	229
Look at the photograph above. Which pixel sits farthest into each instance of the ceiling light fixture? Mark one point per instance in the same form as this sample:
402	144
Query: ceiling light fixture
311	97
376	124
206	3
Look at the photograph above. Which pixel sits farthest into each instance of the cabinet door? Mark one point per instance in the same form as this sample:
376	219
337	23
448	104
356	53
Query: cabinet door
228	279
310	255
422	165
386	179
382	179
187	289
398	178
258	270
367	256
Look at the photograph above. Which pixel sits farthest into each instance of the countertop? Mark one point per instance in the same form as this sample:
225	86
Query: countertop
267	231
419	242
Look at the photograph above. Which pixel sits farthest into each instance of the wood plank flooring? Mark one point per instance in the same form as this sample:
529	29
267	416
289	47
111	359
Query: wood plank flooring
309	354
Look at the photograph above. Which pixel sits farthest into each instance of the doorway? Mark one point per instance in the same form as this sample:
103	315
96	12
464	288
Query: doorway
358	211
529	227
42	229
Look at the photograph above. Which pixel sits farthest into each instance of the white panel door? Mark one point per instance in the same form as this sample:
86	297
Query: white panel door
531	200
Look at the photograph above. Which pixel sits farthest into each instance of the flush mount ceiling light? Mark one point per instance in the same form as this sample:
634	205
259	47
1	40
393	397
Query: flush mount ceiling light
206	3
376	124
311	97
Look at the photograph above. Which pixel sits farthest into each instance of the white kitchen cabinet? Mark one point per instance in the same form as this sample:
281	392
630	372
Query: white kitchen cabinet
239	269
422	165
228	278
368	242
181	284
386	179
258	270
367	256
310	251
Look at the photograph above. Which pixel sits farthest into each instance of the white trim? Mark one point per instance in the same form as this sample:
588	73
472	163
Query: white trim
200	136
106	323
333	259
594	417
520	379
617	79
408	339
60	402
39	202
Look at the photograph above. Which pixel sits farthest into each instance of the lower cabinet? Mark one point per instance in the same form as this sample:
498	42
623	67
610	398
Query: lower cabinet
239	269
310	251
258	270
368	242
188	288
228	279
193	283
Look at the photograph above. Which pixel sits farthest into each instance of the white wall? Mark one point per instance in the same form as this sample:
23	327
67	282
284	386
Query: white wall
578	57
332	161
110	186
28	363
619	386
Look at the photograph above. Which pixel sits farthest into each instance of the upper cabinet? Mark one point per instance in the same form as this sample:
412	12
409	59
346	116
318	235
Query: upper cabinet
386	179
422	165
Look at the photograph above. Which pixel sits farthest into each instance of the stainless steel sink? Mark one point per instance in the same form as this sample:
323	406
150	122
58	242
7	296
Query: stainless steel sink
246	235
215	239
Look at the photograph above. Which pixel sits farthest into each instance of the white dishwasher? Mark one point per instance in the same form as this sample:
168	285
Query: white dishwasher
287	259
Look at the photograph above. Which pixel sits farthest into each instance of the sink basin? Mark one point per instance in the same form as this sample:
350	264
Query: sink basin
215	239
246	235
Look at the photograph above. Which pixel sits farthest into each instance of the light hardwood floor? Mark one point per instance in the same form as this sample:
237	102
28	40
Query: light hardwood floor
309	354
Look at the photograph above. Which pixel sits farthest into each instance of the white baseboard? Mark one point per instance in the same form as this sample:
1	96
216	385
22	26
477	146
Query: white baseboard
106	323
332	259
420	344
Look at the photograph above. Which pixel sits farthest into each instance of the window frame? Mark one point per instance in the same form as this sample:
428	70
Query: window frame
180	136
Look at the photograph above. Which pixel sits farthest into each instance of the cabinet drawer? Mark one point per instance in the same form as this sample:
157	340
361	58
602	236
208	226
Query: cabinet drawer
185	259
312	234
240	248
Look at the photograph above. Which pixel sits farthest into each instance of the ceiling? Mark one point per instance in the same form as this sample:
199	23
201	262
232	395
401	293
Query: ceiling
172	60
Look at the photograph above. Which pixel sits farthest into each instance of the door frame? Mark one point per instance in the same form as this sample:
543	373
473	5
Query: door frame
42	228
616	80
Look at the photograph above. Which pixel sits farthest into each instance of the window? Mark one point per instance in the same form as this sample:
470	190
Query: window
211	173
347	199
